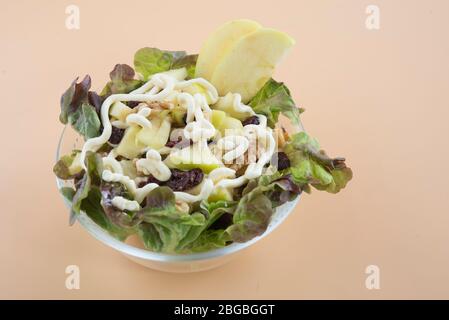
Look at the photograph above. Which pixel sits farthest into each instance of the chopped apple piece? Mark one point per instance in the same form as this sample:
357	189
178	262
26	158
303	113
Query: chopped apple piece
156	136
217	118
120	111
76	166
224	123
230	126
220	43
130	147
178	74
228	105
197	88
191	157
250	63
220	194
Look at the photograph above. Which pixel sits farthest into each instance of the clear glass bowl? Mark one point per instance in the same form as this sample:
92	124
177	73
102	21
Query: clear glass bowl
132	249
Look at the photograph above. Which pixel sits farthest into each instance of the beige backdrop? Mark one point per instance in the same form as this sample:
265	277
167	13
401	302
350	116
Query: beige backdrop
378	97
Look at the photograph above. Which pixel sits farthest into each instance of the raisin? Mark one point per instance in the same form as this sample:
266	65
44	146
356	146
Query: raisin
223	222
116	135
251	120
133	104
280	160
150	179
184	180
181	143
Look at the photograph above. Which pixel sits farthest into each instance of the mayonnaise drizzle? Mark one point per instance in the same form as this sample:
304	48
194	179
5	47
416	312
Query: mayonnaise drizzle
236	146
206	190
139	193
157	81
165	87
153	165
125	204
140	118
109	162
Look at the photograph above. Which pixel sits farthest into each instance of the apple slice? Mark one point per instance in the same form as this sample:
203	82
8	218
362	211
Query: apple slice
219	43
250	63
129	147
156	136
120	111
195	156
220	194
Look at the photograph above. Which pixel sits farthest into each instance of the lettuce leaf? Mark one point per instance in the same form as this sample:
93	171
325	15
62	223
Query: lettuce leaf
91	178
122	81
77	111
251	217
165	229
169	227
148	61
210	240
275	98
120	218
62	168
310	165
91	205
188	62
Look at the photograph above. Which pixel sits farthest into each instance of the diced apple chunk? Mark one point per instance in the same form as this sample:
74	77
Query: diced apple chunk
120	111
129	147
156	136
191	157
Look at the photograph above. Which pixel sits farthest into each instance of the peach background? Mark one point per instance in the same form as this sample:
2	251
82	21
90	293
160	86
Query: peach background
380	98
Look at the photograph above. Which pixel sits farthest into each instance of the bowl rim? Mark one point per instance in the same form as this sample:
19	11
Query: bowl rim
102	235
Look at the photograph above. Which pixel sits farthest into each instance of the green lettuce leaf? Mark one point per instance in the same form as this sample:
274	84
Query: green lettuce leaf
209	240
251	217
92	206
169	227
91	178
85	120
188	62
148	61
77	111
274	98
120	218
88	198
62	169
122	81
310	165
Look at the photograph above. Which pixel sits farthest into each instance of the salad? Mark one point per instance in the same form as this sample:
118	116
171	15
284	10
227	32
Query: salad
188	151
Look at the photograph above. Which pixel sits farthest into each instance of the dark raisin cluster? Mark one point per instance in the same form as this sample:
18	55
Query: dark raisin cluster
251	120
184	180
133	104
116	135
280	160
179	180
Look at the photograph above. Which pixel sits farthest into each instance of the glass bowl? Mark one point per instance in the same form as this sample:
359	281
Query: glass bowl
181	263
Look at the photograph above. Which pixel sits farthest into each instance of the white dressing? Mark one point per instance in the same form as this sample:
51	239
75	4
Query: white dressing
125	204
170	87
153	165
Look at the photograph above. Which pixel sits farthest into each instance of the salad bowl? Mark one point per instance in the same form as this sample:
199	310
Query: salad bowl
178	263
185	160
